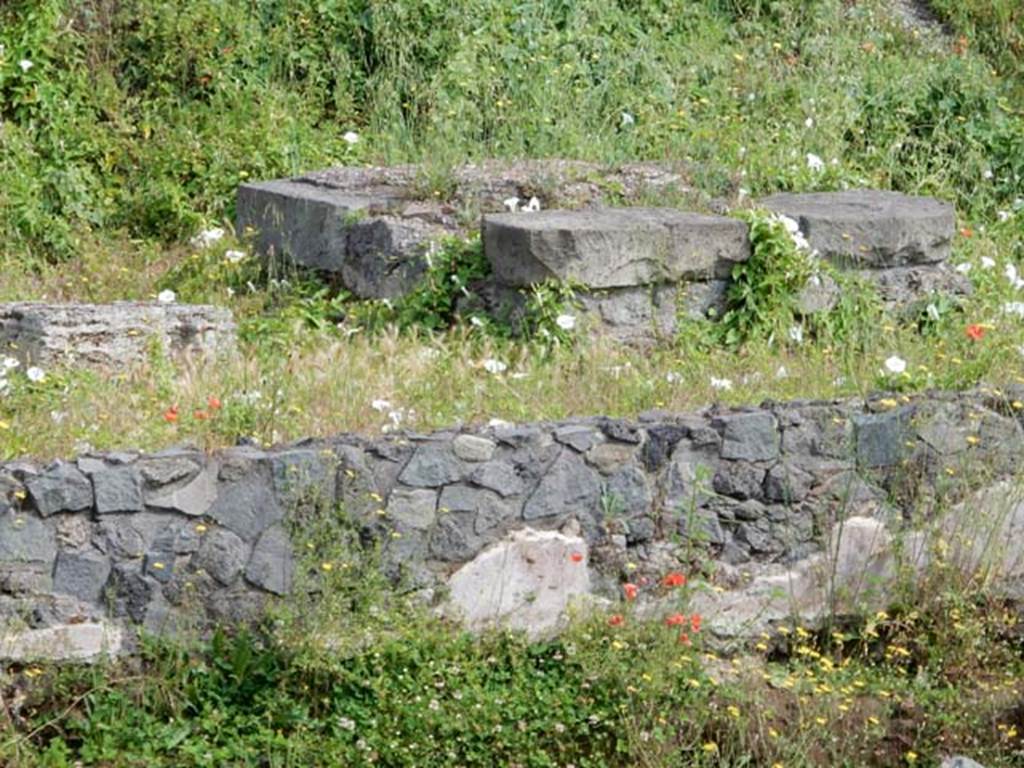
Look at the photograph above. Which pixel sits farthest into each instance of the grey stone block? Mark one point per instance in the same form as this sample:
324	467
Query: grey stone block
110	336
351	233
455	538
880	437
302	222
271	566
221	554
739	480
749	436
612	248
193	498
82	574
569	487
871	228
387	255
498	476
61	488
634	314
246	502
414	508
432	466
473	448
118	489
26	539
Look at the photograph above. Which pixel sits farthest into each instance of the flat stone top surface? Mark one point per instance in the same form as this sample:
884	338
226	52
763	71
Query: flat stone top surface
144	307
872	229
605	219
857	205
612	247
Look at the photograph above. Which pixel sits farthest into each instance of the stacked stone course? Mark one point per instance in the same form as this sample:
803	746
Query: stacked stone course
178	537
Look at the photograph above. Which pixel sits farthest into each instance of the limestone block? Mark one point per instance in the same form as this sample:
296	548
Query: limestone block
614	247
111	336
871	228
527	581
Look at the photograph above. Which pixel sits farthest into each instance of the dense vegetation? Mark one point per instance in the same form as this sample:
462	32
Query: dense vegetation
142	116
125	127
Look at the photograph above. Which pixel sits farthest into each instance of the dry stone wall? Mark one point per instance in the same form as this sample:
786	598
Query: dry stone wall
93	548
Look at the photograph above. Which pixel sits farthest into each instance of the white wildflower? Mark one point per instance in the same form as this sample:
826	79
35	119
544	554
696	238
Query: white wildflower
963	267
933	312
497	423
566	322
234	257
494	366
476	322
166	297
809	122
207	237
1003	216
1014	308
381	405
351	137
35	374
346	723
25	65
1012	276
987	262
987	174
796	334
628	119
673	378
895	365
10	363
721	384
782	372
511	203
532	206
815	163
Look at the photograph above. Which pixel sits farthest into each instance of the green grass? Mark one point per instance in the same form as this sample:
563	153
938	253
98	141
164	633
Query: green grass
141	117
131	130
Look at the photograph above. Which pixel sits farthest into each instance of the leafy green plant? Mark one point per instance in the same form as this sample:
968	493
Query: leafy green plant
764	293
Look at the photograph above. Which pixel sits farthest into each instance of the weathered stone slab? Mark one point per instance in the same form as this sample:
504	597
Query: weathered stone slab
70	642
613	248
528	581
871	228
111	335
306	222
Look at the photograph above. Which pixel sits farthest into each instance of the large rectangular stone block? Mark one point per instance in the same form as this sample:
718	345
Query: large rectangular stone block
613	248
111	335
865	228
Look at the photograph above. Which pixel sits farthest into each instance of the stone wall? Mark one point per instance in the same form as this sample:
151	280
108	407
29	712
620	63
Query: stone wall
92	548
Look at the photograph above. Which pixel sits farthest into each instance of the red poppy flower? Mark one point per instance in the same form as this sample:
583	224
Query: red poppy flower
200	415
171	414
576	557
695	622
630	590
975	331
684	639
675	620
674	579
616	620
967	232
213	403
